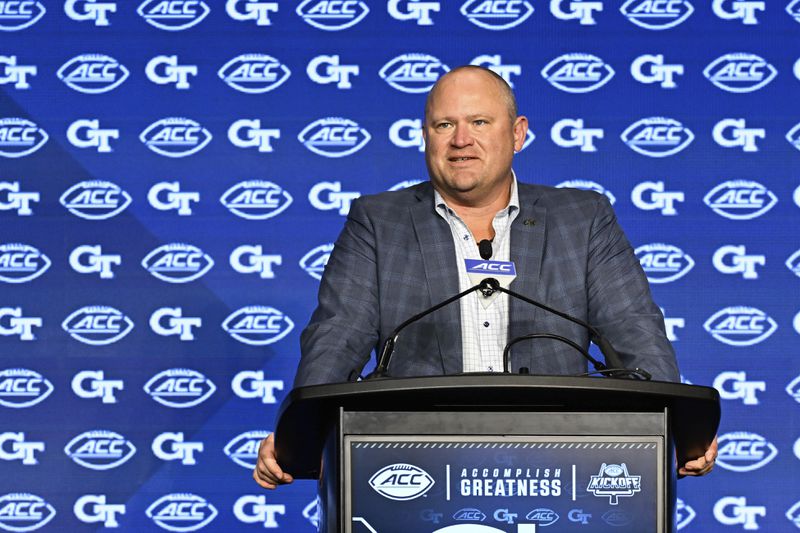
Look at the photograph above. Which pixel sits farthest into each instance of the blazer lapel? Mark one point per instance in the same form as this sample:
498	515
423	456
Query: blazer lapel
439	260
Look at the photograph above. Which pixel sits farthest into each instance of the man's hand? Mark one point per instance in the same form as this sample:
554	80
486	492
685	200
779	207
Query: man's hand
702	465
268	473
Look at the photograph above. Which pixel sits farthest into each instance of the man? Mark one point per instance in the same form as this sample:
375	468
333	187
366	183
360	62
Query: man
402	252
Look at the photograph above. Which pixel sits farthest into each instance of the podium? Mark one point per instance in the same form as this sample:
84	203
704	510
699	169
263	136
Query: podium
483	453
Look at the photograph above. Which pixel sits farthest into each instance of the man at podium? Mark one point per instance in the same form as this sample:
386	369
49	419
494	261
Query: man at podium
402	252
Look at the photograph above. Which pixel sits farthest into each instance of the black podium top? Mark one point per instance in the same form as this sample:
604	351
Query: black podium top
307	414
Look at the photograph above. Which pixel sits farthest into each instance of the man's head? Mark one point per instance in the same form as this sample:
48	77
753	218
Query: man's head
471	132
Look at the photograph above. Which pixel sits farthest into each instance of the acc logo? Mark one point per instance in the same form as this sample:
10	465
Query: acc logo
734	511
254	73
21	511
740	9
740	199
255	510
413	73
16	16
793	514
100	511
740	326
332	72
163	70
173	15
20	388
256	200
794	9
100	449
177	263
334	137
469	528
20	263
651	69
173	199
175	137
98	386
97	325
20	137
614	481
792	389
11	72
90	10
407	133
93	73
740	388
650	195
586	185
251	259
497	14
663	263
250	384
405	184
401	482
258	325
311	512
469	514
414	10
179	388
740	72
657	136
577	73
579	10
253	10
315	260
332	16
793	135
657	15
683	514
617	518
243	449
743	452
95	200
793	263
181	512
542	517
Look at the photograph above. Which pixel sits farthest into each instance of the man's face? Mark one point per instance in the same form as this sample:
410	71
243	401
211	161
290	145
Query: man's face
470	138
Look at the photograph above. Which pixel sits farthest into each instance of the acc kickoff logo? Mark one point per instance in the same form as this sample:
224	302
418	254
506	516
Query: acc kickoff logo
243	448
256	200
740	72
663	263
586	185
21	511
173	15
258	325
20	137
413	73
740	199
657	15
740	326
93	73
614	481
20	388
179	388
20	263
254	73
97	325
401	482
315	260
177	263
334	137
15	16
657	136
744	452
175	137
95	200
100	449
181	512
332	16
577	73
496	15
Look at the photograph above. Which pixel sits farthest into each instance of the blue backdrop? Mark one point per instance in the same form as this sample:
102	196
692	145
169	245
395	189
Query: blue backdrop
173	173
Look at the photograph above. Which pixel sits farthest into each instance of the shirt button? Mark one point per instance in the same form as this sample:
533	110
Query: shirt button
491	369
486	324
466	237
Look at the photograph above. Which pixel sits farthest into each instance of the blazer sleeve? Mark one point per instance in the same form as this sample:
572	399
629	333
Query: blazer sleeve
620	303
343	329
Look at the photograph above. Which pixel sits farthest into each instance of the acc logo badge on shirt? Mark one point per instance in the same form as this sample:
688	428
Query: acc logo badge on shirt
243	448
497	14
20	137
577	73
657	15
334	137
181	512
332	16
97	325
15	16
256	200
95	200
254	73
413	73
20	263
657	136
663	263
100	449
740	326
20	388
180	388
740	72
175	137
401	482
173	15
258	325
22	511
93	73
177	263
744	452
740	199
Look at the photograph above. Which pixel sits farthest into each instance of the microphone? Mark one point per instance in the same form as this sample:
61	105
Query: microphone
485	249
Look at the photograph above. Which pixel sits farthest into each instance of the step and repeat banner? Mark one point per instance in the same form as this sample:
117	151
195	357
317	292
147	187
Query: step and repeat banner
173	174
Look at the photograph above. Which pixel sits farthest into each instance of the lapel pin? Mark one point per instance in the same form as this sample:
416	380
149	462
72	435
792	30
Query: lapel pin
529	222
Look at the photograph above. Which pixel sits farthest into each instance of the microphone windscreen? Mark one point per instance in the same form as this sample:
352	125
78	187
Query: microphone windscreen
485	249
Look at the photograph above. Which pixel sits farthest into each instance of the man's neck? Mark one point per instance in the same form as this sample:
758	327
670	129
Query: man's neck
479	215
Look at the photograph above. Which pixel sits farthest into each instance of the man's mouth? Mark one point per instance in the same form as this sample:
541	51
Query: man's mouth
460	159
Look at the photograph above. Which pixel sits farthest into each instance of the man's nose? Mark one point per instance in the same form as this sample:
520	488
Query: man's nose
462	136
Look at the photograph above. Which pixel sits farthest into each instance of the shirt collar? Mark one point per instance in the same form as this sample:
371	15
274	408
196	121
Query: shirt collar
445	211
